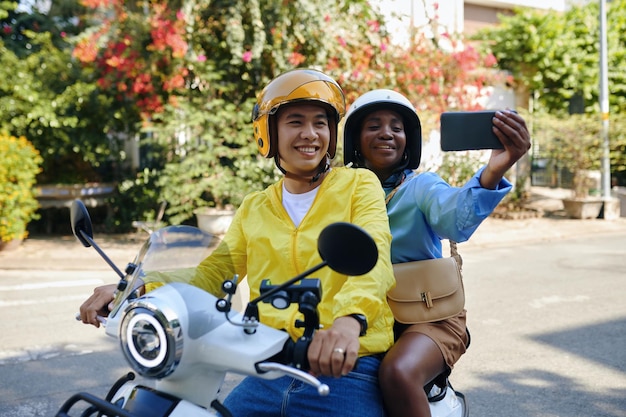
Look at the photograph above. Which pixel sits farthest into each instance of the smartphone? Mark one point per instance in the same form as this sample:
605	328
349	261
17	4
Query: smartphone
468	130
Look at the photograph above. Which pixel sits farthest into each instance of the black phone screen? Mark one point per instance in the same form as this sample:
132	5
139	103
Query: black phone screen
468	130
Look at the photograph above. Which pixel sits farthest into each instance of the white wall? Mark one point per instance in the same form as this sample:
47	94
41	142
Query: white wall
402	14
537	4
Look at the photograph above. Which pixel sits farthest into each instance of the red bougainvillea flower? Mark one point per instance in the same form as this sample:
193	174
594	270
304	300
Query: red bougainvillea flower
490	60
115	61
374	25
164	34
467	58
150	105
143	84
103	83
94	4
177	81
434	87
296	59
86	51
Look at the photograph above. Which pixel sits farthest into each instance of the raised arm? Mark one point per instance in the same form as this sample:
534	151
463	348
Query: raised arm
511	129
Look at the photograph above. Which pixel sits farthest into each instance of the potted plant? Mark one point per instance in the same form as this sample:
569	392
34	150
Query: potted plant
574	144
18	204
210	188
200	195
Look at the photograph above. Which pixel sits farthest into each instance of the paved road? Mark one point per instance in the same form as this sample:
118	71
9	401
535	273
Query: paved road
547	316
45	355
548	322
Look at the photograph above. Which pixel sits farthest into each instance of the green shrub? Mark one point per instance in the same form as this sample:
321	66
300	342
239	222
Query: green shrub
457	168
573	143
19	166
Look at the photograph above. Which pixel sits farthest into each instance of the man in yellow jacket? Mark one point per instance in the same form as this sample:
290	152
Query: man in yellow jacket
274	236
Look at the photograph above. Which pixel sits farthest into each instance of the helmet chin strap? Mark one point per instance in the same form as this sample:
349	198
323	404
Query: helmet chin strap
322	168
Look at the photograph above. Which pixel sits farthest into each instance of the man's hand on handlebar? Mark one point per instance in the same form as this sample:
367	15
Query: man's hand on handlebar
334	351
99	304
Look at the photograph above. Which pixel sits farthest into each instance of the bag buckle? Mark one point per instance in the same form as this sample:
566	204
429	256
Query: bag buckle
427	299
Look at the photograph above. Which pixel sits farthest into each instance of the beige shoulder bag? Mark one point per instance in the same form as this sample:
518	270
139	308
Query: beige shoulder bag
429	290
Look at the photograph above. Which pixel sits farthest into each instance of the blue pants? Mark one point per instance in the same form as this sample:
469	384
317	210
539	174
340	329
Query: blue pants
354	395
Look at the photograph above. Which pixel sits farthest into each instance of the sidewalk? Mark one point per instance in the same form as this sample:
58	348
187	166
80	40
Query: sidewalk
552	225
64	252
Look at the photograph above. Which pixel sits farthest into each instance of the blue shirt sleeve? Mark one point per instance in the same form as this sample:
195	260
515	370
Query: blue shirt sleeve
426	209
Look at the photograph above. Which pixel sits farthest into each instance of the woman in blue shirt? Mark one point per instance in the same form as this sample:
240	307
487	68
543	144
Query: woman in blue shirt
382	133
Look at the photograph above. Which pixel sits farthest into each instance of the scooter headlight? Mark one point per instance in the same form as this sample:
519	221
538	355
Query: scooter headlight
151	342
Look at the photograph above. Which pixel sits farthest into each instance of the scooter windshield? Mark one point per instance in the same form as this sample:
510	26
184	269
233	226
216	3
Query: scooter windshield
170	254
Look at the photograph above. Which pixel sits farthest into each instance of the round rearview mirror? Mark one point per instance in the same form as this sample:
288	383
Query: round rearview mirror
81	222
347	248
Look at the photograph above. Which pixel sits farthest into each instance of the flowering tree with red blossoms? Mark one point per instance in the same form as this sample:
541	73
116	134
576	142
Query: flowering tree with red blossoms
140	60
191	70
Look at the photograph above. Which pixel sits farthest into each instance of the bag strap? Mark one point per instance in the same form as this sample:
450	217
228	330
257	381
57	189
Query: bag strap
453	248
391	194
455	254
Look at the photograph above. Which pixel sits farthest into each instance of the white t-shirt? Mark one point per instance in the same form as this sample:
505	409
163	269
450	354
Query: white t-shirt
297	205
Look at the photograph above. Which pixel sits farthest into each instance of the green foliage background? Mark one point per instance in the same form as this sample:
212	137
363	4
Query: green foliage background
554	59
195	135
555	56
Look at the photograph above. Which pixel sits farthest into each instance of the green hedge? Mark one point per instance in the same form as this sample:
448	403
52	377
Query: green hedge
19	166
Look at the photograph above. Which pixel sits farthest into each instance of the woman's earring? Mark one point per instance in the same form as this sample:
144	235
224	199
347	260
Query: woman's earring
358	158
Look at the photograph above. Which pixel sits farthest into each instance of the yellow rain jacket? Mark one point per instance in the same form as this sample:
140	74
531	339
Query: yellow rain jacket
263	243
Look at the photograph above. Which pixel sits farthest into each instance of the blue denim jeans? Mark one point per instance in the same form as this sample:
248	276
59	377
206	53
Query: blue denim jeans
354	395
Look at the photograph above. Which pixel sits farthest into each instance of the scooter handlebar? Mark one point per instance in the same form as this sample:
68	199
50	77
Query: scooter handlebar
322	389
101	319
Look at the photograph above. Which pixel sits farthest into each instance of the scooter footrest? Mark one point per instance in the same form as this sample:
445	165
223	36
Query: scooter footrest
436	393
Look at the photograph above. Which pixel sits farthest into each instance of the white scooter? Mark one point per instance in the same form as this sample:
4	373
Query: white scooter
186	340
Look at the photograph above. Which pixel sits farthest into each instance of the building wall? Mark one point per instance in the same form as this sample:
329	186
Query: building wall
476	17
480	14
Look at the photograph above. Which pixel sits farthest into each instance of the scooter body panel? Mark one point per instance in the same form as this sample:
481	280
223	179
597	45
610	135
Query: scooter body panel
144	401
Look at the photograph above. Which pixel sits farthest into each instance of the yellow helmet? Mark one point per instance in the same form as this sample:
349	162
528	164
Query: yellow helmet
290	87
